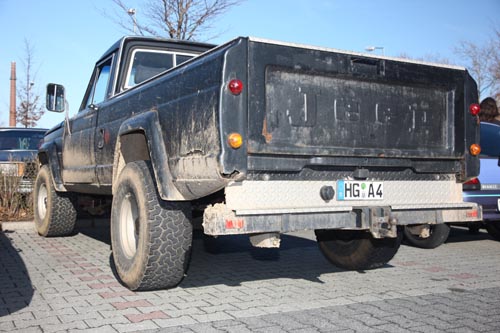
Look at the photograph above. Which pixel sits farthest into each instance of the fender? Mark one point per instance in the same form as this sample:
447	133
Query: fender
147	124
47	154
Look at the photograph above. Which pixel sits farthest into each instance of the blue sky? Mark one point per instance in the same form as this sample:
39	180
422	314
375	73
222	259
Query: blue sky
69	36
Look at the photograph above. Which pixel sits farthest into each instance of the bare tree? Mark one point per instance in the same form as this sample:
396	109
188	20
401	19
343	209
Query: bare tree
29	111
483	62
176	19
495	65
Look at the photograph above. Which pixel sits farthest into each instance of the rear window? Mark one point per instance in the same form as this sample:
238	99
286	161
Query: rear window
148	63
20	140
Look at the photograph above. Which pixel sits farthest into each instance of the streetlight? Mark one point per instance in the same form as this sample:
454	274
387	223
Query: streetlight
131	12
373	48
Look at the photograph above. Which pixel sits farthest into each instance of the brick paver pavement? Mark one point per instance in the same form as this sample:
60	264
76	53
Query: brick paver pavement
67	284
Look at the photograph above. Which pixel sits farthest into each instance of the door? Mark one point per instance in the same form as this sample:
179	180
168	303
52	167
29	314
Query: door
79	166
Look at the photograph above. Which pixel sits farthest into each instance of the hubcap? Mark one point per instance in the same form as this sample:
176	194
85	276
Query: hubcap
129	225
42	201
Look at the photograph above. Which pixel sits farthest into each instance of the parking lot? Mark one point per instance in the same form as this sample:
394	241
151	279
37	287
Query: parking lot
67	284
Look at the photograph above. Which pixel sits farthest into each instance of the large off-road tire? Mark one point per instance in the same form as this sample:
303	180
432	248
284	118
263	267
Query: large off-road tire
55	213
356	249
151	238
438	234
493	228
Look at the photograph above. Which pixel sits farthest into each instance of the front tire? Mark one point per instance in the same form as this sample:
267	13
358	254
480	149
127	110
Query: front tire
438	234
151	238
55	213
357	249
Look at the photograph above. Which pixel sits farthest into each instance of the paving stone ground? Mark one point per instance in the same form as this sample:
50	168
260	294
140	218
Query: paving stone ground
68	285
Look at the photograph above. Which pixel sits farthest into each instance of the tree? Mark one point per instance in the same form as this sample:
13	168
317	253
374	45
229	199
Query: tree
483	62
176	19
495	65
29	111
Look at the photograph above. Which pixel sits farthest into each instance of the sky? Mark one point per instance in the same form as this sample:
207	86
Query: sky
69	36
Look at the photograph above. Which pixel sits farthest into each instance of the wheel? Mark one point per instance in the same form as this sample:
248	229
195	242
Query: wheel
151	238
493	228
474	228
55	213
356	249
438	234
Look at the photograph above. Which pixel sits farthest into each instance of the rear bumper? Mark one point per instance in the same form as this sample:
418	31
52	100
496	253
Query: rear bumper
489	201
24	186
284	206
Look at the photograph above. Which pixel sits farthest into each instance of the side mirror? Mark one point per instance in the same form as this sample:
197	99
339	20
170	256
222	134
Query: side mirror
55	99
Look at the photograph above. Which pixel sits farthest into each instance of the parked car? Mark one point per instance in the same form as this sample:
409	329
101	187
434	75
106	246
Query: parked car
18	150
485	189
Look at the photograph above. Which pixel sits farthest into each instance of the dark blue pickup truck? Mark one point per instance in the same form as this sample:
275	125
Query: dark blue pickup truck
261	138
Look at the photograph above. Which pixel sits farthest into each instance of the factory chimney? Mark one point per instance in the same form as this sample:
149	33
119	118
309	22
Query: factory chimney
12	111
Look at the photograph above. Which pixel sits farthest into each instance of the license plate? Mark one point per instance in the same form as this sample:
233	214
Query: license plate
359	190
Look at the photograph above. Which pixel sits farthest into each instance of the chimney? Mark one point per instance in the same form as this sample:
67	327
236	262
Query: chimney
12	111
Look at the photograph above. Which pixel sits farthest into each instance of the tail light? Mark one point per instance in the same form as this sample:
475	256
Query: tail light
474	109
472	185
235	86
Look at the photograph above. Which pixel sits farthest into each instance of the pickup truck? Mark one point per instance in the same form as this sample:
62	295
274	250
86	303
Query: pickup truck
260	138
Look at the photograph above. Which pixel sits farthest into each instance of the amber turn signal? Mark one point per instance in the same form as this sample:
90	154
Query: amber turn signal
235	140
475	149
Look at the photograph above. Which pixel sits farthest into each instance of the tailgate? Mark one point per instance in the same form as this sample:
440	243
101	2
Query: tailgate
326	103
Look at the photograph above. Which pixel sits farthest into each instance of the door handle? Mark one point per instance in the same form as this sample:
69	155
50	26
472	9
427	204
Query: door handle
100	140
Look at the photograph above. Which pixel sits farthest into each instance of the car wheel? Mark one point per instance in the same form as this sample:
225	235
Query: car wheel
151	238
438	234
54	212
493	228
357	249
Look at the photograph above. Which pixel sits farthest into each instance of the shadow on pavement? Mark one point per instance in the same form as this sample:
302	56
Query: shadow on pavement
462	234
232	260
16	290
96	228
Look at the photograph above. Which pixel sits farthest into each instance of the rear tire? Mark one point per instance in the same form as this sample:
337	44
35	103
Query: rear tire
151	238
55	213
494	229
357	249
438	235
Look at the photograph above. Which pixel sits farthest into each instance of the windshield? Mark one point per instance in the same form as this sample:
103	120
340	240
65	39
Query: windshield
20	140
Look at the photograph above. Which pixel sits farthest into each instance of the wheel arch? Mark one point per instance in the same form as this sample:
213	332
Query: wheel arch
140	138
47	155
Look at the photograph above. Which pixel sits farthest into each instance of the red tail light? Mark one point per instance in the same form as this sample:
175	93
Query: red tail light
235	86
473	181
474	109
472	185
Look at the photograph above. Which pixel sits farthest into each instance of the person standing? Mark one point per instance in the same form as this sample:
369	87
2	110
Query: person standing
489	111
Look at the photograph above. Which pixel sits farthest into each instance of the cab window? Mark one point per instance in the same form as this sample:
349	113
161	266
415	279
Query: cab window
148	63
100	89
